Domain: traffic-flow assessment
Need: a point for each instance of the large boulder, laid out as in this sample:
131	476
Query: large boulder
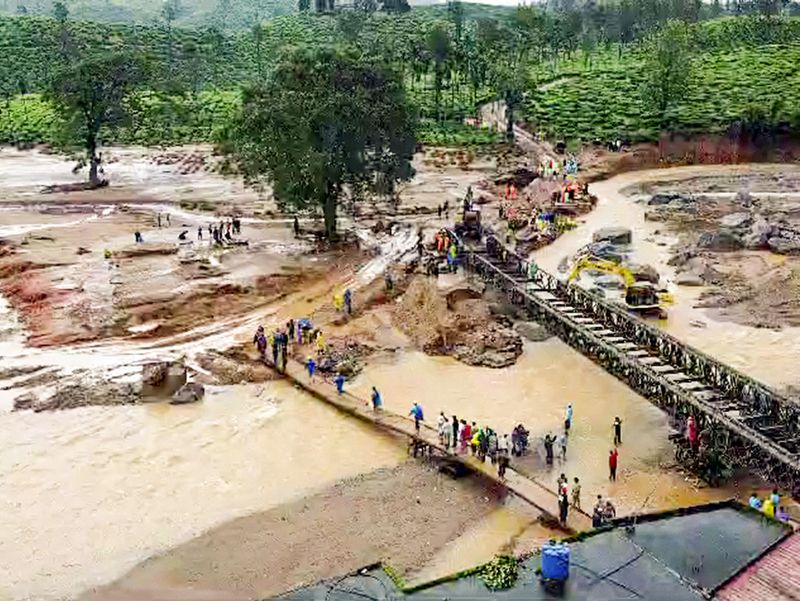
614	235
688	278
154	373
191	392
644	273
722	240
759	234
670	198
736	220
25	401
533	331
784	246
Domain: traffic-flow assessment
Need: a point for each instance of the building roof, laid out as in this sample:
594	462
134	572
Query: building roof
774	577
681	555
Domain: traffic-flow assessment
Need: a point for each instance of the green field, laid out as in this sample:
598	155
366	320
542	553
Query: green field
734	73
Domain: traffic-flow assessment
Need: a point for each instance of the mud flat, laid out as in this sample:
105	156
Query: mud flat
401	515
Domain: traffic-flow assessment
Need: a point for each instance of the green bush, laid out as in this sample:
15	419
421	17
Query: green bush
500	573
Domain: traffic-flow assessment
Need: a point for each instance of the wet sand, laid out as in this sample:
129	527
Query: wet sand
399	515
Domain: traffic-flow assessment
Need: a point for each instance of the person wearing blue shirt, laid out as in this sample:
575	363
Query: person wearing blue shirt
776	498
416	411
755	502
339	381
376	399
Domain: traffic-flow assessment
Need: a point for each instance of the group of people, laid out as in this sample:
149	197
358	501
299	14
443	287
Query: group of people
463	437
551	442
445	245
770	506
344	301
603	512
564	497
222	232
277	342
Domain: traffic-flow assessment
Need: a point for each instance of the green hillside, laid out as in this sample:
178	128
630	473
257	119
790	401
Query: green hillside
742	69
739	68
222	14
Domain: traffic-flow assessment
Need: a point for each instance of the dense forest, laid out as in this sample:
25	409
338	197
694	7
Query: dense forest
573	70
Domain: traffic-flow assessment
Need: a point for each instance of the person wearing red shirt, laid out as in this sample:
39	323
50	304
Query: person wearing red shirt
613	456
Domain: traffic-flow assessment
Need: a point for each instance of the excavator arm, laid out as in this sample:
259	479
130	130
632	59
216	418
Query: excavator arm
604	265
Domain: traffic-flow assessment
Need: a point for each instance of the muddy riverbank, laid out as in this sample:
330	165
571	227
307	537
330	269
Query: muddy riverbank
176	484
400	515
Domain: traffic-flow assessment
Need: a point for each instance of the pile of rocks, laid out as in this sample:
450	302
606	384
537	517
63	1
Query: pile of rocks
753	231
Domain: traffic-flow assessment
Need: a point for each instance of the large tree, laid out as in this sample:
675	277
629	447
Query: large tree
327	120
91	94
667	67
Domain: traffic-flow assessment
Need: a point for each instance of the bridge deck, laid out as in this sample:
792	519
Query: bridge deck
758	417
531	491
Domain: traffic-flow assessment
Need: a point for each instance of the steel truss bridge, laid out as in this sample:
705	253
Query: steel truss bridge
739	419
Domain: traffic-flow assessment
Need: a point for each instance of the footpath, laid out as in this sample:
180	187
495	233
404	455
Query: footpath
527	489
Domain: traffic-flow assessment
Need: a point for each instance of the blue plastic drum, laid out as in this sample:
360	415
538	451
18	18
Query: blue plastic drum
555	561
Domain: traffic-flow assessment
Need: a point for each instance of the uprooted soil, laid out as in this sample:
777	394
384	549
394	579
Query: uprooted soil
401	516
466	330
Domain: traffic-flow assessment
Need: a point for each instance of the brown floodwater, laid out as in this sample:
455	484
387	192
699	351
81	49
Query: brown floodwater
88	493
769	355
535	392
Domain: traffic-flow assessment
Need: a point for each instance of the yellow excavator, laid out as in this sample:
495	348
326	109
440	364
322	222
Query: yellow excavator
640	297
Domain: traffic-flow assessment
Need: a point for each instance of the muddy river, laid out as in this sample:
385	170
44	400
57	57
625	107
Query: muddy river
769	355
89	493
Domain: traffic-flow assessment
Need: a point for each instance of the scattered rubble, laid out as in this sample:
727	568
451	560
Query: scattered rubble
83	394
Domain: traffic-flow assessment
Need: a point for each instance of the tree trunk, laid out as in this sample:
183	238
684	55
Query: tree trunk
329	213
94	161
509	119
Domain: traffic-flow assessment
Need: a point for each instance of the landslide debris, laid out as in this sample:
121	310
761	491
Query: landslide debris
467	331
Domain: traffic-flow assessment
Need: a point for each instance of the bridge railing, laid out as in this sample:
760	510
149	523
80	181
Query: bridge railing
761	399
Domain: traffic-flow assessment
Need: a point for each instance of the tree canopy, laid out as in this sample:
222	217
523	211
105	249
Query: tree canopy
667	67
91	93
326	120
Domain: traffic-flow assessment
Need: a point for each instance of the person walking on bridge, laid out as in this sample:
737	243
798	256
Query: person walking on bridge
576	494
617	431
563	507
416	412
613	458
454	426
568	418
441	426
